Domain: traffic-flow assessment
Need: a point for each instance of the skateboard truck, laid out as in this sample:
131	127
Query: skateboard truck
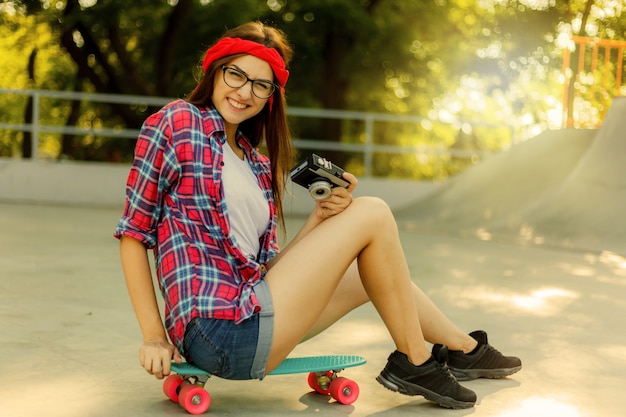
186	385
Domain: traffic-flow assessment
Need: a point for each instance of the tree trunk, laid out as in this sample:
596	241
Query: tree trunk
68	144
571	87
27	146
334	94
175	25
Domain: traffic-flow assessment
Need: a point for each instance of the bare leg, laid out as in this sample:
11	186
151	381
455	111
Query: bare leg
349	295
436	327
313	269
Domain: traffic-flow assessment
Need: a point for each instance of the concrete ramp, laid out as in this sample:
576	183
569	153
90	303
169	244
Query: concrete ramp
565	188
589	209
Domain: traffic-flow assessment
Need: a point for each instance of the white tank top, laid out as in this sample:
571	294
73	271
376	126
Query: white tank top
248	210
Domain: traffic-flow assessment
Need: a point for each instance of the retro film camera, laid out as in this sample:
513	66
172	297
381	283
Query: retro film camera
318	175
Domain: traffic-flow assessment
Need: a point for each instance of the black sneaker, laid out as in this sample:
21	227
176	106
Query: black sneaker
484	362
432	380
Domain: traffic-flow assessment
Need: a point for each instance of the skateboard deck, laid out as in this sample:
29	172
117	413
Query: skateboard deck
187	385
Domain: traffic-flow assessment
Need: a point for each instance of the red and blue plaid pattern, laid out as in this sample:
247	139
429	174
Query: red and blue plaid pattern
175	205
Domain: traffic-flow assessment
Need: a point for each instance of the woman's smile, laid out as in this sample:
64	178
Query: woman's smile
236	104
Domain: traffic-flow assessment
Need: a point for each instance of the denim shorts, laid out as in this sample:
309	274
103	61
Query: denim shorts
229	350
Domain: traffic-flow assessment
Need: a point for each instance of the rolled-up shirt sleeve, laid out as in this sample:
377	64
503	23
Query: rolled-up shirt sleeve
151	174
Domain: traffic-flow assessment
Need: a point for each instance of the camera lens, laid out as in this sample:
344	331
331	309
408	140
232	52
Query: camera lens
319	190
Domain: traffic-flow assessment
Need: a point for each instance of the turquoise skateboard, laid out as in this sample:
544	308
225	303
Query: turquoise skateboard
186	385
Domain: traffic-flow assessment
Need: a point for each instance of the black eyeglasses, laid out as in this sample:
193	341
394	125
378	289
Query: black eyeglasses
235	78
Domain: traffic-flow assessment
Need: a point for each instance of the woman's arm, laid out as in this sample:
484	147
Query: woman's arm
156	352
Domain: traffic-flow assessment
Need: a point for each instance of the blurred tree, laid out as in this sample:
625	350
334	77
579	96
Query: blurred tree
31	59
453	61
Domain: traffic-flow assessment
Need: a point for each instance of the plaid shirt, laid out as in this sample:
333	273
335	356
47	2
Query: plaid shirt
175	205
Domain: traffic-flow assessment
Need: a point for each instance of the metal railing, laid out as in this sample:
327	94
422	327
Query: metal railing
599	71
368	146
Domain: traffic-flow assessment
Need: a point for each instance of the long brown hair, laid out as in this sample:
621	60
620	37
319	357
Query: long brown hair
271	123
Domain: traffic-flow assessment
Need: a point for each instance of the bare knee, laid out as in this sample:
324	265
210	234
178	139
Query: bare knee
376	211
373	203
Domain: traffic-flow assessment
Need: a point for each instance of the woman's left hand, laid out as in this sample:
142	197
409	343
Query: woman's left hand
339	199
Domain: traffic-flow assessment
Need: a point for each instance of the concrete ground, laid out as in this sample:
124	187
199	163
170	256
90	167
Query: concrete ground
529	246
70	339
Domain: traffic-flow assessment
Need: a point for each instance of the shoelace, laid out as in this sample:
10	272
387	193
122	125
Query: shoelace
443	368
493	350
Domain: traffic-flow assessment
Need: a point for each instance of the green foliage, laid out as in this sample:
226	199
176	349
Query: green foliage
482	74
23	37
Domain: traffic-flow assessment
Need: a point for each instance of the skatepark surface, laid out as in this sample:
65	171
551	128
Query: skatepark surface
529	245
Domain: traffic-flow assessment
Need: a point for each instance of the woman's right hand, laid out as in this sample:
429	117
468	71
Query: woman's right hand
156	357
340	198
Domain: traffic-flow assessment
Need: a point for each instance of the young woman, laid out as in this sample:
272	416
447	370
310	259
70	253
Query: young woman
201	196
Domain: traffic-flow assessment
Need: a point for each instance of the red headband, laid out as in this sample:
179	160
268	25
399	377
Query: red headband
231	46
